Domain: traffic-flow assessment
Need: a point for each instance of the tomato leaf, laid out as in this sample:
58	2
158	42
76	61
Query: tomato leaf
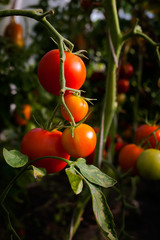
94	174
75	180
102	212
38	173
14	158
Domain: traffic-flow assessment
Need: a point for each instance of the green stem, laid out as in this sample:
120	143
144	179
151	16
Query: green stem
136	32
115	44
60	40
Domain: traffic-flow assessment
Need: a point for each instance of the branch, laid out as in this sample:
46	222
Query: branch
137	32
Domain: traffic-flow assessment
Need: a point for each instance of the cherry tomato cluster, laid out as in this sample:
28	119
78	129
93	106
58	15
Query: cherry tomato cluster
143	157
75	141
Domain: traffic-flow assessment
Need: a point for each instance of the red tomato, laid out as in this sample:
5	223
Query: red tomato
82	143
38	143
90	157
126	70
128	157
21	117
143	132
86	4
49	71
14	32
77	106
123	85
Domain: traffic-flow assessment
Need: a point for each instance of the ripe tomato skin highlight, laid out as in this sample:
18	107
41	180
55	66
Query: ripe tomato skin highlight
82	143
77	106
145	130
128	158
148	164
26	114
38	143
49	71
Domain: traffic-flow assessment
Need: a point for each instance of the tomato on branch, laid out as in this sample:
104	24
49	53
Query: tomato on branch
14	32
128	158
76	105
148	164
22	116
126	70
123	85
82	143
38	143
49	71
148	136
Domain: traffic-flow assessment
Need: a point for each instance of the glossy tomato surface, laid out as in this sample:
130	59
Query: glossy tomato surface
82	143
128	157
144	135
49	71
148	164
77	106
38	143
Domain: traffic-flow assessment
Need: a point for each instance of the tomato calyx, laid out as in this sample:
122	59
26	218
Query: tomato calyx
81	53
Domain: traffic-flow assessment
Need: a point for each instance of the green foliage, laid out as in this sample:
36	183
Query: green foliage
14	158
102	212
95	179
94	174
75	180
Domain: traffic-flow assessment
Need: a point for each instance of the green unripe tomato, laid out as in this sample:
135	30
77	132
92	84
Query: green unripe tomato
148	164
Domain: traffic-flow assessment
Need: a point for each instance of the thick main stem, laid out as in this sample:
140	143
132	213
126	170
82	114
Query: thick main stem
114	42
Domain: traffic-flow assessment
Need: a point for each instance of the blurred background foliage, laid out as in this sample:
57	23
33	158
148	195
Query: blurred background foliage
84	24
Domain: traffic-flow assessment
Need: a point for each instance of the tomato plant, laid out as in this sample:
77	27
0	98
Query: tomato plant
38	143
148	164
49	71
14	32
82	143
77	106
123	85
128	157
22	116
148	136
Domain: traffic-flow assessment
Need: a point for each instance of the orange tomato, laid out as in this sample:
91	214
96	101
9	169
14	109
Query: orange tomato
128	157
82	143
14	32
76	105
22	116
